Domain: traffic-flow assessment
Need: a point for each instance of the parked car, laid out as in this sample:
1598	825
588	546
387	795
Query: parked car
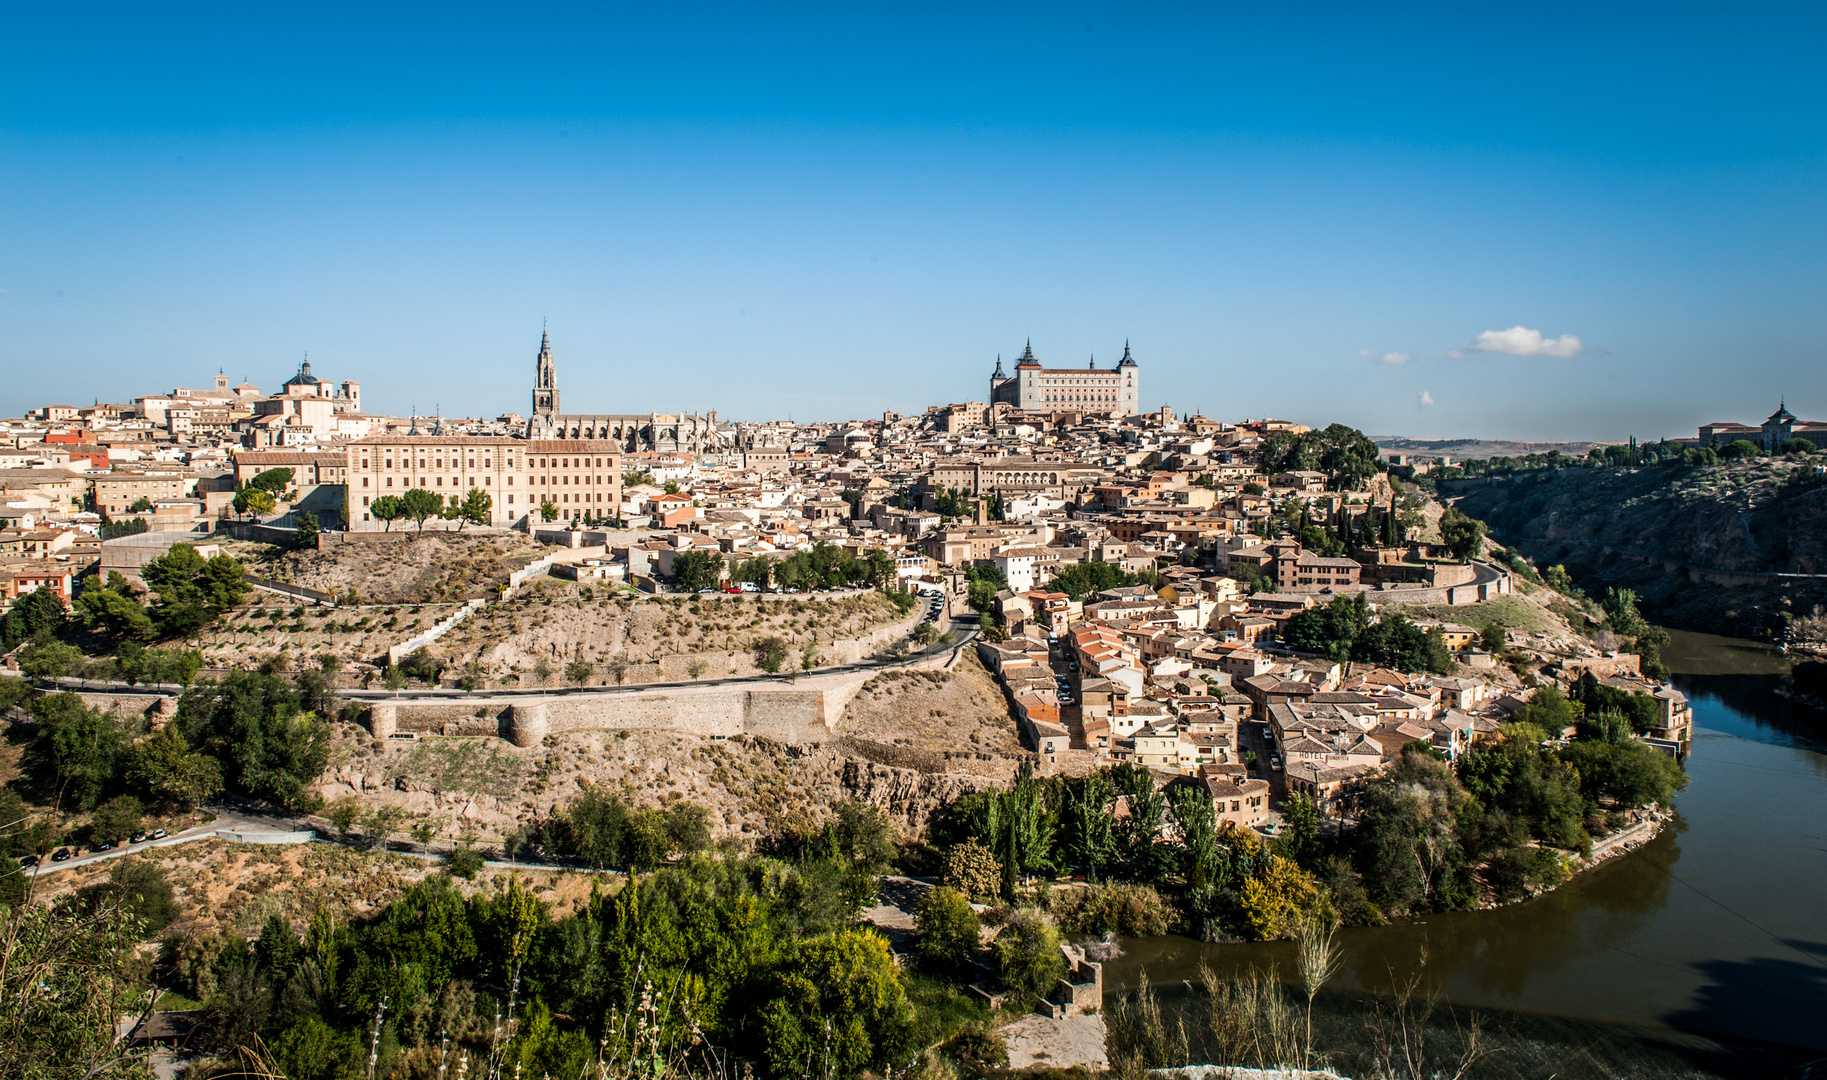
105	845
62	855
28	861
138	838
158	834
1275	762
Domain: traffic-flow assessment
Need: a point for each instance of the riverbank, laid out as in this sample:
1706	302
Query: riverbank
1690	947
1604	849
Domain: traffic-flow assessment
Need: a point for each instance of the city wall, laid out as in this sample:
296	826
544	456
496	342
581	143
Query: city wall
793	713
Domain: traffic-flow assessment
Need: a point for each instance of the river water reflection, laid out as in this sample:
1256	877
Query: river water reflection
1717	928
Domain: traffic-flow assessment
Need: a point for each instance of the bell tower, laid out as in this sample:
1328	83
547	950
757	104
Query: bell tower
545	380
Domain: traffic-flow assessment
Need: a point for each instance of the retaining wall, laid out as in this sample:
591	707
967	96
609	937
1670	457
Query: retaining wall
791	713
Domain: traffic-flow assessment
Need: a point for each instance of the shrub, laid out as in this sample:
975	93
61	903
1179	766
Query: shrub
420	664
948	929
1028	953
971	869
465	862
1131	910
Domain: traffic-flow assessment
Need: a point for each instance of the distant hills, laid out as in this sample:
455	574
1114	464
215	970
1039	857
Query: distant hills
1461	449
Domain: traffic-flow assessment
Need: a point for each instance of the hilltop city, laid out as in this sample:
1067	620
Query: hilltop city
1125	669
1132	574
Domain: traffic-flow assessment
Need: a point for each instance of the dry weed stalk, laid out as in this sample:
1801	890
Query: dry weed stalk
1399	1034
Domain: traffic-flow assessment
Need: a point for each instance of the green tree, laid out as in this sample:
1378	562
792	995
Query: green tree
1088	823
697	569
1080	580
254	725
116	819
946	929
70	974
1739	449
305	530
548	510
387	508
46	658
770	653
1027	952
422	665
193	591
837	1007
971	868
1464	535
579	671
1397	643
688	827
1299	841
476	509
253	502
1331	628
80	747
465	862
163	765
141	889
1345	455
418	504
114	611
879	568
274	481
40	611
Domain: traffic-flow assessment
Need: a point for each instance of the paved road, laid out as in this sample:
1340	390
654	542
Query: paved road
225	821
236	821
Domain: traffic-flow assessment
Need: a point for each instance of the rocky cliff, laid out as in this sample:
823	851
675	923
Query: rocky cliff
1734	548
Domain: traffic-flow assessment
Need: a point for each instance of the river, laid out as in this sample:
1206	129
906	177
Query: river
1697	955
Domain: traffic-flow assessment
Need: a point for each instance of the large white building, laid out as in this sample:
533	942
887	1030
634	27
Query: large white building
1089	389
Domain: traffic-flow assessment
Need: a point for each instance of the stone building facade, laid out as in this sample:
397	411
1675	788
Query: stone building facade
1033	388
582	478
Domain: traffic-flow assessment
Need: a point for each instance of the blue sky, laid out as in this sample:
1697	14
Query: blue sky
1523	221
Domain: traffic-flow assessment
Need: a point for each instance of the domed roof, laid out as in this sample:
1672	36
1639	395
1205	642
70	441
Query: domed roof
304	377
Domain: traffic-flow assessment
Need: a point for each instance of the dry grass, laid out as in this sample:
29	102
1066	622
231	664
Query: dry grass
941	711
219	885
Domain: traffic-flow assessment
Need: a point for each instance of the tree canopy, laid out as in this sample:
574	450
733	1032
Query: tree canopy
268	744
1344	454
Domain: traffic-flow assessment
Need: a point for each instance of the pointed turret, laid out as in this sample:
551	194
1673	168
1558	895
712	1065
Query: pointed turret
1027	356
1127	360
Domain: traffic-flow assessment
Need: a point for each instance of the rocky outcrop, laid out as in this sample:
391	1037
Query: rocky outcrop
1725	548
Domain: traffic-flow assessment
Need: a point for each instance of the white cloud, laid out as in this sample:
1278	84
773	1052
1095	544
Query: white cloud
1424	399
1392	358
1522	341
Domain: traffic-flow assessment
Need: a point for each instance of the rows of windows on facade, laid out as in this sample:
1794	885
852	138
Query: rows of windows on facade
580	475
1089	389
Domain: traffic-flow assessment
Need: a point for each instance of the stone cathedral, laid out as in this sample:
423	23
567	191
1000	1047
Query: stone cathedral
700	436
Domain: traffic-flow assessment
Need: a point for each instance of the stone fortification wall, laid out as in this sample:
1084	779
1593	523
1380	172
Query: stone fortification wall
851	650
1471	591
788	715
